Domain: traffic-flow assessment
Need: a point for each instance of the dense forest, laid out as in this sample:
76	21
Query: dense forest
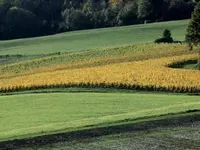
29	18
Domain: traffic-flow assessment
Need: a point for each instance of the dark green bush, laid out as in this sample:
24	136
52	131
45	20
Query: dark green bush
166	37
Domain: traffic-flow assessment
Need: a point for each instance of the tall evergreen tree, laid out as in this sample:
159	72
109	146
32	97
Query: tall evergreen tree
193	31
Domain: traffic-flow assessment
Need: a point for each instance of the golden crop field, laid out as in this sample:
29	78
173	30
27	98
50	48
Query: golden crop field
152	74
93	58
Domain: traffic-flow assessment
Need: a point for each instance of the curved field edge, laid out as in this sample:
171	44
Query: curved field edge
147	75
143	124
32	115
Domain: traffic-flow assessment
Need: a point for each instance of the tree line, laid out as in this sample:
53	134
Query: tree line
29	18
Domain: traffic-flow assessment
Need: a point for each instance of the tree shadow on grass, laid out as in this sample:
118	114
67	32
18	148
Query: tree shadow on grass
128	125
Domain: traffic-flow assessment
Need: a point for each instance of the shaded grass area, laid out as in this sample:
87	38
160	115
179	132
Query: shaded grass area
190	64
24	116
194	65
176	137
172	131
92	39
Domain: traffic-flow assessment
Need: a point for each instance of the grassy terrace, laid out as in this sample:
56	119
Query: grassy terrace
31	115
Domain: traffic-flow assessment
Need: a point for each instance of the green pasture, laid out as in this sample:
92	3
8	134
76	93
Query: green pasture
38	114
92	39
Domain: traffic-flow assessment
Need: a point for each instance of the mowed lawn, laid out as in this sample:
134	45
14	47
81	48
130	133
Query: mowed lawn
30	115
92	39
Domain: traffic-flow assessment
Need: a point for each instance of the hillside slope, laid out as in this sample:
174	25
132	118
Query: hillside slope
91	39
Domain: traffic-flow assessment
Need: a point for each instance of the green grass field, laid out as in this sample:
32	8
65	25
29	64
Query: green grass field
92	39
31	115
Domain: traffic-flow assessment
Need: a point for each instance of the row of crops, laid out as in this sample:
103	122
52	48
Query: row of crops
92	58
121	72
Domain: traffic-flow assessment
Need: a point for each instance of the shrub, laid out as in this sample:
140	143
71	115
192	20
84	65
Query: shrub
166	37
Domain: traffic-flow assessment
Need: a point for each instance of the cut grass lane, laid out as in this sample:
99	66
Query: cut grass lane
31	115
